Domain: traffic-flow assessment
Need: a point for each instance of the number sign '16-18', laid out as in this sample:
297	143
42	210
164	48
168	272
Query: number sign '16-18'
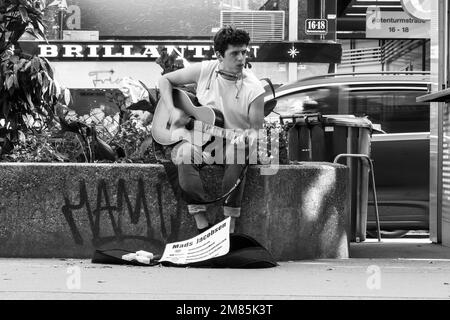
316	26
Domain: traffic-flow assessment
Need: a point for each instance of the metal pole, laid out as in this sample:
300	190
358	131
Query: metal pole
61	24
375	199
322	15
293	36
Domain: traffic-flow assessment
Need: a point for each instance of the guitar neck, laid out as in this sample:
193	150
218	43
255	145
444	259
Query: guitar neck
215	130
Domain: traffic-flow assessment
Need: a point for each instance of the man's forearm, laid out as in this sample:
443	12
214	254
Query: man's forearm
165	90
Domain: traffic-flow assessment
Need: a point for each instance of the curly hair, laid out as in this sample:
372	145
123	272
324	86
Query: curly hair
230	35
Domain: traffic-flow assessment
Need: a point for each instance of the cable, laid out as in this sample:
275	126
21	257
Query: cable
228	193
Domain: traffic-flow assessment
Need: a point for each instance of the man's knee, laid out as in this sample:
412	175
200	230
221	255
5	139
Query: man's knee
189	175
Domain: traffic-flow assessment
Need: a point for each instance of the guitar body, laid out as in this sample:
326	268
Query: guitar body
166	133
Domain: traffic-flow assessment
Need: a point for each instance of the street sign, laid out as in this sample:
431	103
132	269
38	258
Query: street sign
316	26
395	24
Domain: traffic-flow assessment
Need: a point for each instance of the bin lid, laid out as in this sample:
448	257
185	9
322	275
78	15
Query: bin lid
347	121
304	119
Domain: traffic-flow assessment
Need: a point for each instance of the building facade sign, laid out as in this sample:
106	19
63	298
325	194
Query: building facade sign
395	24
316	26
191	51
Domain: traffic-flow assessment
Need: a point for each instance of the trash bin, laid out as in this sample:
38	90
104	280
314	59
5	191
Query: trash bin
313	137
305	138
349	134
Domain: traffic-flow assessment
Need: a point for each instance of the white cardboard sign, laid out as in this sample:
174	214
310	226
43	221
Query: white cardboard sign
214	242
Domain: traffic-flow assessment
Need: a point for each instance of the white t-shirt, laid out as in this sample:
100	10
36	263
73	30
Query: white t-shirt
231	97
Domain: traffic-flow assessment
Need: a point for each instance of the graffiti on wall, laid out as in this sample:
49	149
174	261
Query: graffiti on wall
104	77
121	212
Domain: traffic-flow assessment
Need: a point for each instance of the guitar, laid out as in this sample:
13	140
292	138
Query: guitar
204	122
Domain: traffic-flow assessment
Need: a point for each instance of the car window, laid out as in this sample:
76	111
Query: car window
323	98
395	110
391	109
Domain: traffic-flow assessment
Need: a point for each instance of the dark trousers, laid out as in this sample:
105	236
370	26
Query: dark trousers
190	182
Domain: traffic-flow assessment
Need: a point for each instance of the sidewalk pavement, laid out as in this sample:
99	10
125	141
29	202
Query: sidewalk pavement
393	269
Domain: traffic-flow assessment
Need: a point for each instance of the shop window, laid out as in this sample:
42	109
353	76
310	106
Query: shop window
323	99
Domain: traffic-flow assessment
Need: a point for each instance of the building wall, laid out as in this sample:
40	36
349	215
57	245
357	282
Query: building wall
167	20
105	74
179	18
307	9
149	18
276	72
152	18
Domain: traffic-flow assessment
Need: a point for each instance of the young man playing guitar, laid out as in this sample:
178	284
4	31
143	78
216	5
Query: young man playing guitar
233	90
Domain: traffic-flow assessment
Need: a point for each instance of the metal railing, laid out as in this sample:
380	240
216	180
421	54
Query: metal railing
364	157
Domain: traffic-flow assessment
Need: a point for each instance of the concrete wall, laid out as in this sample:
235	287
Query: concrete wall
68	210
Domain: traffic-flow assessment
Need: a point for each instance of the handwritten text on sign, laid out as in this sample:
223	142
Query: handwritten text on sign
214	242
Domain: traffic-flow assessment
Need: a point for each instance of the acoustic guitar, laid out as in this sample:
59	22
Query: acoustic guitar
204	122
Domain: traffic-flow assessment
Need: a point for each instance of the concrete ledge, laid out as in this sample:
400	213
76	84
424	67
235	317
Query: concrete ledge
67	210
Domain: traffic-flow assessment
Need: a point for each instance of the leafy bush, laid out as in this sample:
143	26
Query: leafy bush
136	143
37	147
131	143
27	86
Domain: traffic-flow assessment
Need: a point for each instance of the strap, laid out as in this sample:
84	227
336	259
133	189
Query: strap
273	93
270	85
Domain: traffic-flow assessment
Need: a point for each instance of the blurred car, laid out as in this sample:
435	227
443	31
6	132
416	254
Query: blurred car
400	149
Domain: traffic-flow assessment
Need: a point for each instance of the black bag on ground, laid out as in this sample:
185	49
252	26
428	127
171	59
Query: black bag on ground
245	253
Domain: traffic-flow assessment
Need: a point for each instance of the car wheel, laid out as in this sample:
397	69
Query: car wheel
388	234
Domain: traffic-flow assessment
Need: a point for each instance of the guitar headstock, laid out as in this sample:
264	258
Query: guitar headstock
263	150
